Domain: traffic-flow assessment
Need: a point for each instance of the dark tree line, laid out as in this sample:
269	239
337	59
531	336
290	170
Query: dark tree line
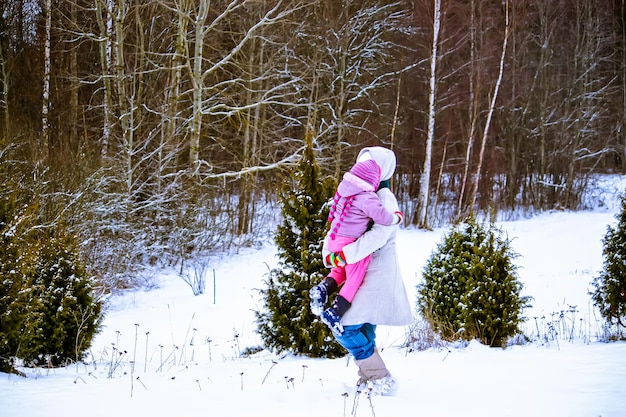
159	130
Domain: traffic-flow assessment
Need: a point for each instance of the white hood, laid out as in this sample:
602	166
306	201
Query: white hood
385	158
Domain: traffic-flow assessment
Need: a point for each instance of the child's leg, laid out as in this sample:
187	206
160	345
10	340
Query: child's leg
338	274
354	274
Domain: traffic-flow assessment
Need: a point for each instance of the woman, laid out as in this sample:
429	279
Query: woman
381	299
355	206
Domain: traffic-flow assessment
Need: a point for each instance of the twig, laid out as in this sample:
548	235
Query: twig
208	340
355	403
185	341
132	365
192	344
268	372
145	360
142	384
161	352
369	398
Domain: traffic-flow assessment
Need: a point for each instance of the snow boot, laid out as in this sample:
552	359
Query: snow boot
375	378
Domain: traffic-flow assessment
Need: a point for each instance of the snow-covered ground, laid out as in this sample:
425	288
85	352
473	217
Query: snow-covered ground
166	352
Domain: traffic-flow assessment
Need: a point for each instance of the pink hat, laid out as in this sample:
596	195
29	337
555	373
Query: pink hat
368	171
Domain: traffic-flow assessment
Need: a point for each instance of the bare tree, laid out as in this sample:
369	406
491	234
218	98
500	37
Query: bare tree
173	88
473	108
197	77
74	79
209	84
422	204
492	106
593	87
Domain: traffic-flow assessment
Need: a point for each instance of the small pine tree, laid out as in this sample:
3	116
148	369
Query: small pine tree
48	312
287	324
609	295
470	289
67	314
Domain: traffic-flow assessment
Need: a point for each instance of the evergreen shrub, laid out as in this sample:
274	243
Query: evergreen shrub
286	323
470	288
48	311
609	287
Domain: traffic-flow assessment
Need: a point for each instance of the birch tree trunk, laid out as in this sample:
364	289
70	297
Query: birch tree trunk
45	132
124	104
198	84
492	107
105	24
422	201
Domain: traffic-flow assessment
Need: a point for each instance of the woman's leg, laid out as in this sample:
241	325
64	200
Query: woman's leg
359	340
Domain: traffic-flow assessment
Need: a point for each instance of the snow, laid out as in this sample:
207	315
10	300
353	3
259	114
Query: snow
166	352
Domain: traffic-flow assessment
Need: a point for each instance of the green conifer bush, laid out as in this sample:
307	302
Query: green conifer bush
48	311
470	288
609	287
286	323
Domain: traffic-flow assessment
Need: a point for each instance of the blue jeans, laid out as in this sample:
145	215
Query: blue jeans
359	340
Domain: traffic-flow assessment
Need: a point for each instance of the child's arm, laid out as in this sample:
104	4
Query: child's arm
374	209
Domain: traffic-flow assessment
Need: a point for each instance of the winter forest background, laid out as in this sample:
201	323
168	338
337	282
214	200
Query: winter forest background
161	131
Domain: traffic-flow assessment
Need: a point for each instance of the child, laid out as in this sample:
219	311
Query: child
355	205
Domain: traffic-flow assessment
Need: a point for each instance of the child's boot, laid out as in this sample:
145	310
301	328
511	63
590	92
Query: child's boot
319	295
